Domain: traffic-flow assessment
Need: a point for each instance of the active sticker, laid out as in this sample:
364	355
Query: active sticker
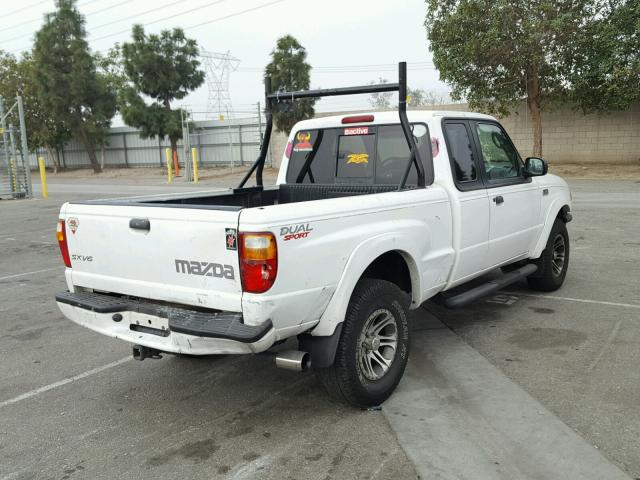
356	131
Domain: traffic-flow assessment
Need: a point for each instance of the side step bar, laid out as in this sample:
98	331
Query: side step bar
469	296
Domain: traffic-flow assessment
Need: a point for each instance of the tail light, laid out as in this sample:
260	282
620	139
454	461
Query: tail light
62	242
357	119
258	261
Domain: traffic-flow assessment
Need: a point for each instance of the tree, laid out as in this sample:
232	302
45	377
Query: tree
419	97
289	71
497	52
165	68
18	78
67	83
380	100
606	59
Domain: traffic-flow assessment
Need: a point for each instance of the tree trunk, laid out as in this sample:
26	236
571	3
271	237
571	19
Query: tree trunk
54	159
102	153
534	105
174	155
91	150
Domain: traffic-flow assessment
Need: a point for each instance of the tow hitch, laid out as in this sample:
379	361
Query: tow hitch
140	353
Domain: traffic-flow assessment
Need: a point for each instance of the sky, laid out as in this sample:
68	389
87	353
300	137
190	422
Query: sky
348	42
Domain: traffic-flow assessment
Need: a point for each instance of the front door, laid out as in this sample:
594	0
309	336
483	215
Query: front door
514	200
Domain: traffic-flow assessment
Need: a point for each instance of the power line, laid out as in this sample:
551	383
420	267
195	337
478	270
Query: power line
155	9
234	14
35	20
24	8
160	19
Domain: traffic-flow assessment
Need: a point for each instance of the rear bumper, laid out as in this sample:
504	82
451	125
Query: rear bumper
166	328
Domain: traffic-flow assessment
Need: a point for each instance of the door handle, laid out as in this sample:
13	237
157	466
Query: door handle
498	199
140	224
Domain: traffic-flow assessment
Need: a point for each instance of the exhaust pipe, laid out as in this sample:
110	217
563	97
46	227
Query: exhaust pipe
293	360
140	353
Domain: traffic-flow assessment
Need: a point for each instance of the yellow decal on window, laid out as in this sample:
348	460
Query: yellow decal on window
358	158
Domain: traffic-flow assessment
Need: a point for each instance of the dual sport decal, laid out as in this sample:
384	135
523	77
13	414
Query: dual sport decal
294	232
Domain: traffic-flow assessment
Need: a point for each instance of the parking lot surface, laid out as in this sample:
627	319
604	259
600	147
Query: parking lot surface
73	404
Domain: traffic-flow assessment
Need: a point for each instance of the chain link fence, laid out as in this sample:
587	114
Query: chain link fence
15	175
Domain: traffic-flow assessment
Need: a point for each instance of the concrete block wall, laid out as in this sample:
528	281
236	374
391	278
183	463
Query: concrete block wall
568	136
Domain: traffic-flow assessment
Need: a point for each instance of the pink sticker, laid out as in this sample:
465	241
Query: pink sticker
435	147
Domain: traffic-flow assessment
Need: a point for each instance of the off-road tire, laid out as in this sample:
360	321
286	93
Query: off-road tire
549	277
346	380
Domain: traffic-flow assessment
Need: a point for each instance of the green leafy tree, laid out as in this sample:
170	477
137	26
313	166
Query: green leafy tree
67	82
289	71
164	68
495	53
606	59
43	130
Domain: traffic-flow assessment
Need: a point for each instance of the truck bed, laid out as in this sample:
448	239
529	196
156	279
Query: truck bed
237	199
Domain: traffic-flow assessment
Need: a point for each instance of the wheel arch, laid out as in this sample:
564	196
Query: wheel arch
369	259
560	208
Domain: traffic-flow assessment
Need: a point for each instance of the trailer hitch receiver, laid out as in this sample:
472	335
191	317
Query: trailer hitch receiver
140	353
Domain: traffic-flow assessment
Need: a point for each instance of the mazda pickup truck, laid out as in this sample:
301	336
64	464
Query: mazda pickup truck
371	215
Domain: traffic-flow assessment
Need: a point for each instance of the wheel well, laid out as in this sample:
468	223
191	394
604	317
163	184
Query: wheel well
565	214
390	266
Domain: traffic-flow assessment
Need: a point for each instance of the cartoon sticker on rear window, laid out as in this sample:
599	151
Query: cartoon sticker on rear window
358	158
303	142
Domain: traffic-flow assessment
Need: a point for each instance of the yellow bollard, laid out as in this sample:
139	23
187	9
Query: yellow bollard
43	177
194	159
169	160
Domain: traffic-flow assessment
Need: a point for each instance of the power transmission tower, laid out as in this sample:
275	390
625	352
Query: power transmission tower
218	66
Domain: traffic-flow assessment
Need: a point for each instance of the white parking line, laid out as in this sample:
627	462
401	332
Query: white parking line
580	300
16	275
60	383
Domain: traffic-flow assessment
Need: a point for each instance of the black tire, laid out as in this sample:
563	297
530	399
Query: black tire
554	261
373	303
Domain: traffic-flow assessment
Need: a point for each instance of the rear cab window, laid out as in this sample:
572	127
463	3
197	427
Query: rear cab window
376	154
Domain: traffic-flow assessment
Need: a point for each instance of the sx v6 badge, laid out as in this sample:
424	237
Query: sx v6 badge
293	232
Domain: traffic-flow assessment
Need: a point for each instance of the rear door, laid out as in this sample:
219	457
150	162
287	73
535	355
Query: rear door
181	255
473	205
514	200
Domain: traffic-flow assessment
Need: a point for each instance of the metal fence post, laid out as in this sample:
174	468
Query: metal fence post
25	147
126	154
240	139
5	140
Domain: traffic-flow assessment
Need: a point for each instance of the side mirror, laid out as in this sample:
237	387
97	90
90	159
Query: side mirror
535	167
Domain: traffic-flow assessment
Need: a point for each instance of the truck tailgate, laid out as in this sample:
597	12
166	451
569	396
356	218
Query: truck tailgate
182	257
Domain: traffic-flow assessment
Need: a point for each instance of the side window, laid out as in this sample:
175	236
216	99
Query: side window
310	157
500	158
356	155
393	154
461	152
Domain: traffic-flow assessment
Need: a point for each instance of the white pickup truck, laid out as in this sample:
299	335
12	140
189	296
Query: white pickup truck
371	215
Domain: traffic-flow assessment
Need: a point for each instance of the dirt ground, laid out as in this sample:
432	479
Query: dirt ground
596	171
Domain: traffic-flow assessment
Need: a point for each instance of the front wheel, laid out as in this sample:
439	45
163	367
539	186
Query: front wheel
373	348
554	261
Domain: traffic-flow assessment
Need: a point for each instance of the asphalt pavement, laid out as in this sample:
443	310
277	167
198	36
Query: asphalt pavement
74	405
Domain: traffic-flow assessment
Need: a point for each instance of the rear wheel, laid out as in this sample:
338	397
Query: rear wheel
554	261
373	348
